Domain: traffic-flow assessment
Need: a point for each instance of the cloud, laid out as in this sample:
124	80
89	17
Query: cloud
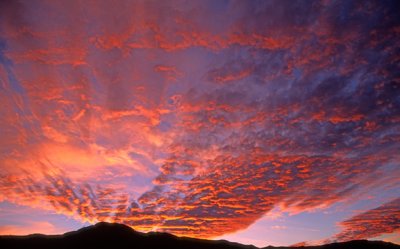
29	228
278	227
372	223
170	72
192	120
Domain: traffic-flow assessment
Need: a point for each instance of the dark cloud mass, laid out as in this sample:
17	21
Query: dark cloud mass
171	116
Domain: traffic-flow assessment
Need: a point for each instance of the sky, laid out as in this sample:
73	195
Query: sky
261	122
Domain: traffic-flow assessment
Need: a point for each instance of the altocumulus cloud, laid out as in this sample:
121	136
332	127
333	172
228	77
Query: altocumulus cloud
194	119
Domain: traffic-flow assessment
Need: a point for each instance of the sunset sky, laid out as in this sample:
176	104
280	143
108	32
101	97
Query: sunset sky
261	122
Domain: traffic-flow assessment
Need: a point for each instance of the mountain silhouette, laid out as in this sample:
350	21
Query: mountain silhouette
113	235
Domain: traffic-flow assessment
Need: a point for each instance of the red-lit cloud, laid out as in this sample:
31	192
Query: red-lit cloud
190	120
373	223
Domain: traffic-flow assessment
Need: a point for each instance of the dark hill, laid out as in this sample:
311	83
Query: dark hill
107	235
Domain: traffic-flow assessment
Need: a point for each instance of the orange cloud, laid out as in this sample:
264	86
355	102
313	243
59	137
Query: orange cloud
384	219
30	228
55	56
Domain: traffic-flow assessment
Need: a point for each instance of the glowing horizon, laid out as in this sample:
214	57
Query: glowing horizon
243	120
